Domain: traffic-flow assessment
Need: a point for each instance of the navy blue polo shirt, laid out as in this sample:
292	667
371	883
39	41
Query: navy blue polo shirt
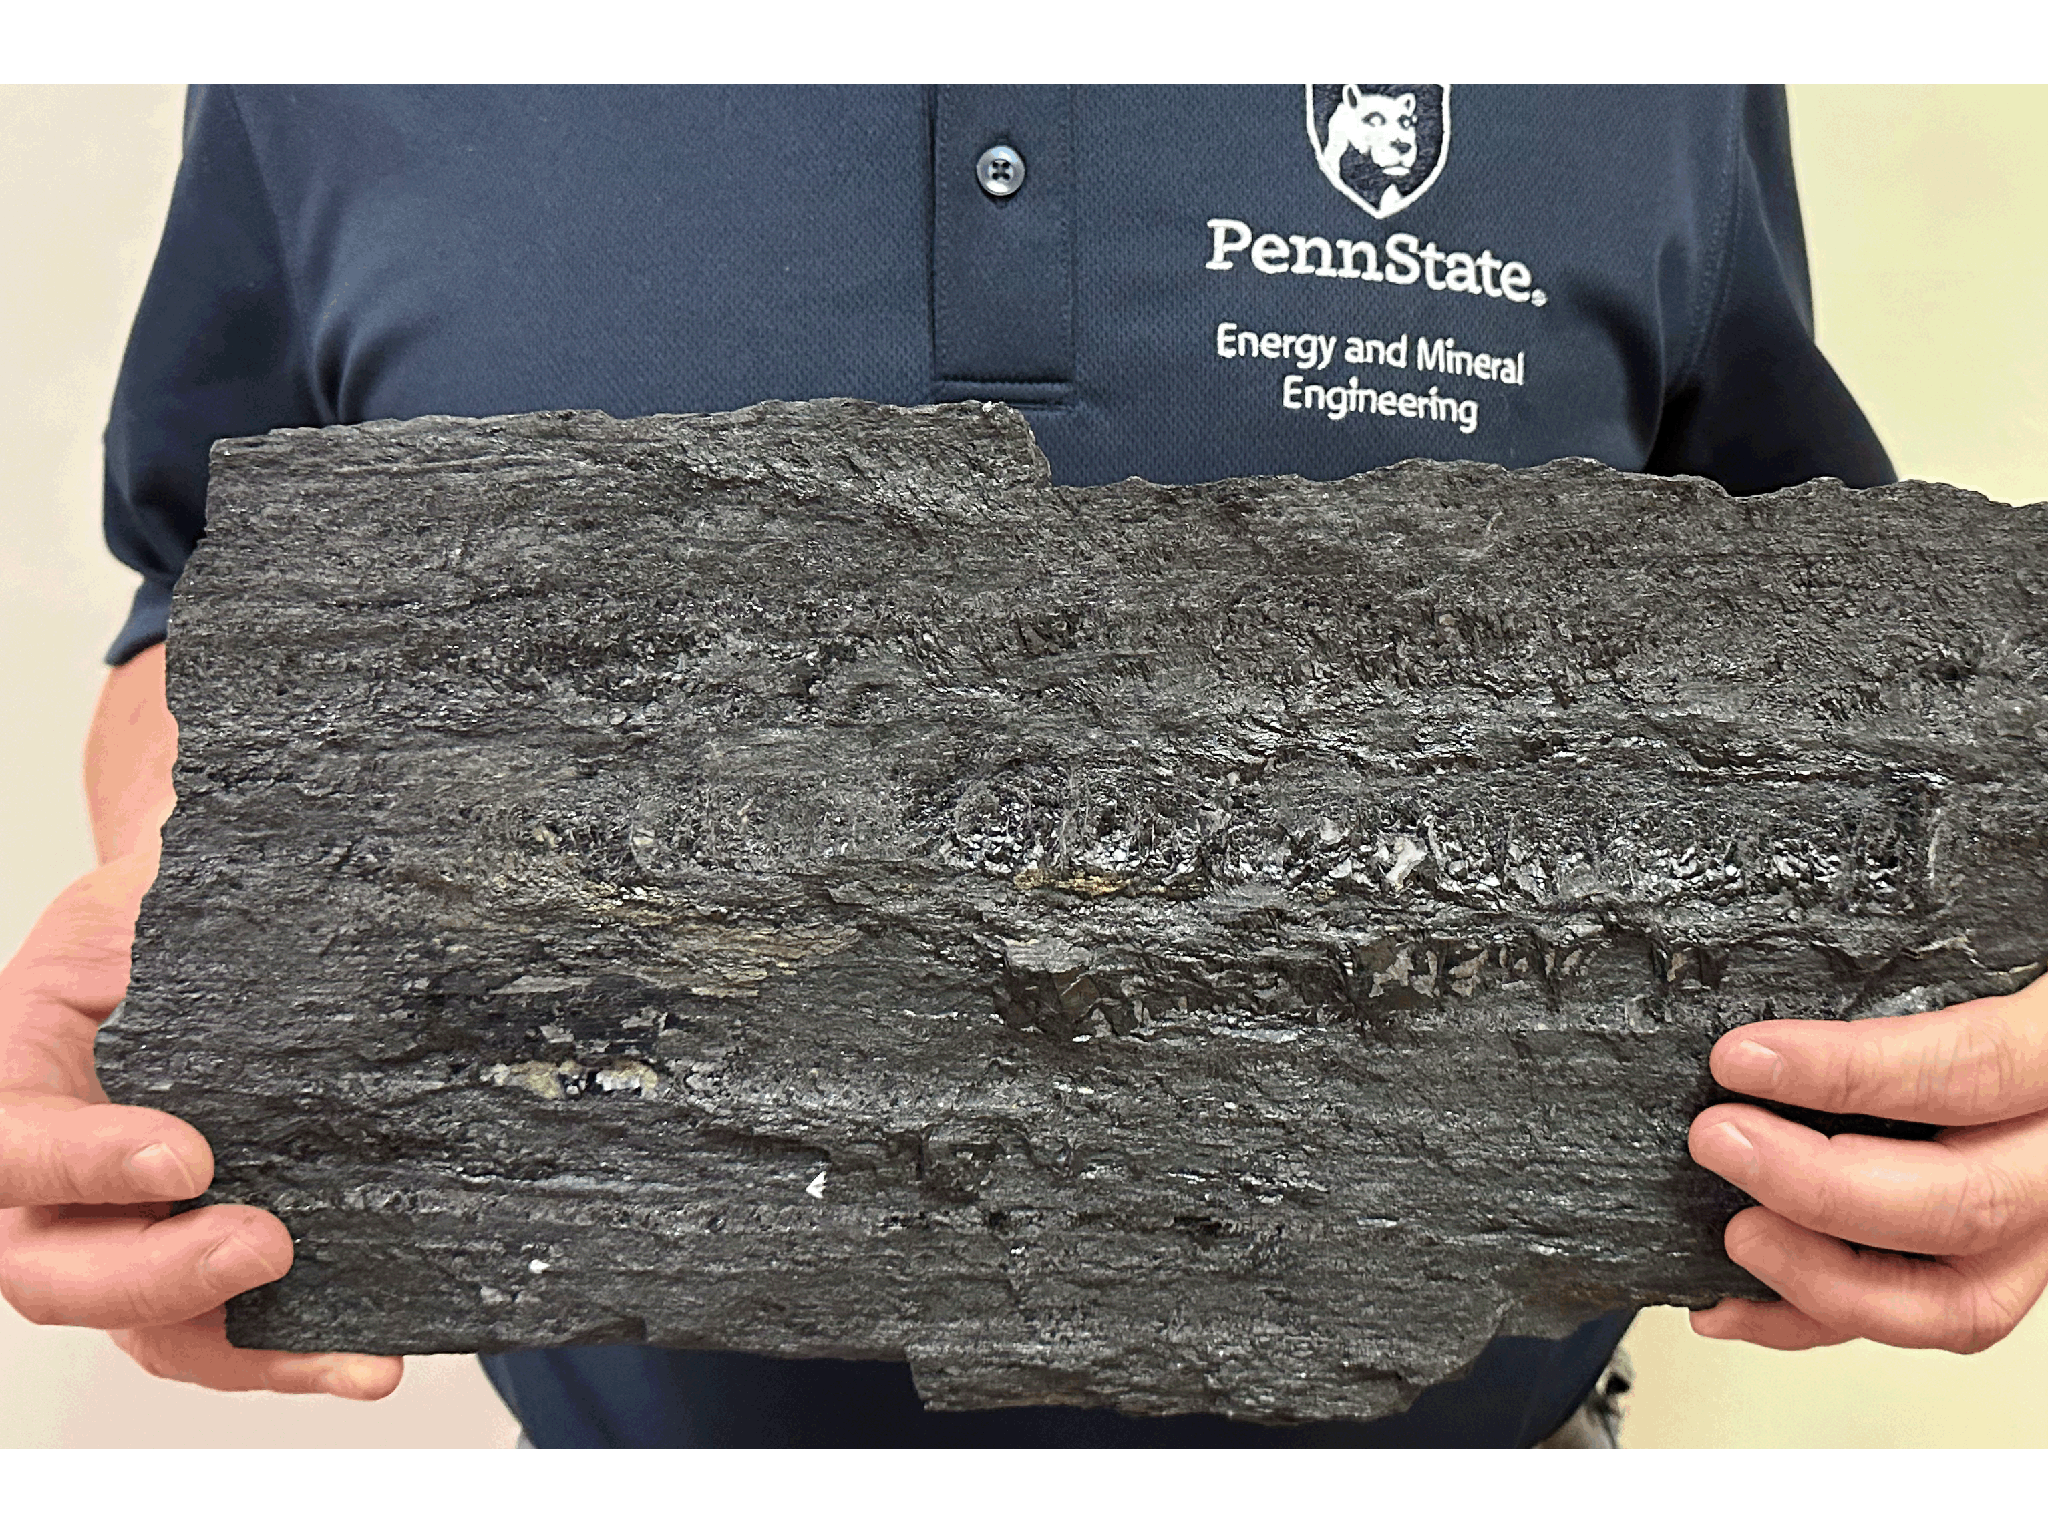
1183	284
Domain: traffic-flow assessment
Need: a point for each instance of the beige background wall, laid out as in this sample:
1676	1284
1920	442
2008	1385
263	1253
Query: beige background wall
1928	227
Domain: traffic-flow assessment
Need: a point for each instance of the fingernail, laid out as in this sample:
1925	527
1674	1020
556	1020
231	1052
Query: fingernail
337	1382
1748	1067
160	1172
1729	1153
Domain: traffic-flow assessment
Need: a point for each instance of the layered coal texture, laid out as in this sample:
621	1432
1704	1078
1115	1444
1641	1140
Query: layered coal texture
798	881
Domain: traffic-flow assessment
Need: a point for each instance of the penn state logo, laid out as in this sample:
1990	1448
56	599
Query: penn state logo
1382	146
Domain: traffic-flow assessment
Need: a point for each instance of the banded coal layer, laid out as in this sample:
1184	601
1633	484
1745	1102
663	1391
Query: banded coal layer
798	881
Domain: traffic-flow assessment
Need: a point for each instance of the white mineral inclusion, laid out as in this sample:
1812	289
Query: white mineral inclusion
1407	854
629	1077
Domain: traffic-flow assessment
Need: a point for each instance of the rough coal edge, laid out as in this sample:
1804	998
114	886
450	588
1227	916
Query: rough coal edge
1012	435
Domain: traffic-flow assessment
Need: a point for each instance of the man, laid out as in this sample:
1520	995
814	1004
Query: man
1179	284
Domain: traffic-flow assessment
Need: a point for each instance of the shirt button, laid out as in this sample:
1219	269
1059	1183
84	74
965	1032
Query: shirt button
1000	170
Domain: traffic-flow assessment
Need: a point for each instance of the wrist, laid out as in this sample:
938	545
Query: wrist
128	756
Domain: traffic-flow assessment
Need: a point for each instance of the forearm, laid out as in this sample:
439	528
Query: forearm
128	757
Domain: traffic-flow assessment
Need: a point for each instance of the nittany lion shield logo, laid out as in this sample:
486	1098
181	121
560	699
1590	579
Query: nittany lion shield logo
1382	146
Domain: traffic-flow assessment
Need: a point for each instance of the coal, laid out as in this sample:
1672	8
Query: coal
798	881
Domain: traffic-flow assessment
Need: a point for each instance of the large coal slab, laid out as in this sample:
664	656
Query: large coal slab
798	881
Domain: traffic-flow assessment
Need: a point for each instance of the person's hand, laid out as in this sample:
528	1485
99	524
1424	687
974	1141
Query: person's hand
1964	1217
87	1237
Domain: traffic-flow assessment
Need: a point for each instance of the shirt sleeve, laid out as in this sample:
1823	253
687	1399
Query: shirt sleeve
1759	407
215	352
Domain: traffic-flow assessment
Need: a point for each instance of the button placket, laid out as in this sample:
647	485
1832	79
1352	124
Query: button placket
1002	243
